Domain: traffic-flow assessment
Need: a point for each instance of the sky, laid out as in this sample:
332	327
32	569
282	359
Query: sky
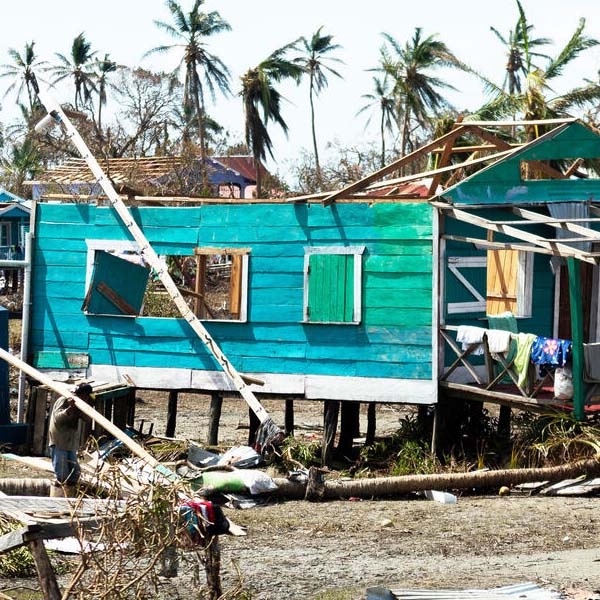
125	29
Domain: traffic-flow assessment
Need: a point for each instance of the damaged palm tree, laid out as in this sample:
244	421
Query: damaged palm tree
268	434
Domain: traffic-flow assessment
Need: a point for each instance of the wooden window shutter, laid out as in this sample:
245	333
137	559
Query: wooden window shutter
117	286
235	289
502	281
199	300
331	288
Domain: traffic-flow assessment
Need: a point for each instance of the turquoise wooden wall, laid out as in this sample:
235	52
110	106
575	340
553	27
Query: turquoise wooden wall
392	340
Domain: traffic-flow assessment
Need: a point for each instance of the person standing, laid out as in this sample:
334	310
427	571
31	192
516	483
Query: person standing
63	439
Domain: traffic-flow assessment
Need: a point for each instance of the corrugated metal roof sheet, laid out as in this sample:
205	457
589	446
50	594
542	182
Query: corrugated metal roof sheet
525	591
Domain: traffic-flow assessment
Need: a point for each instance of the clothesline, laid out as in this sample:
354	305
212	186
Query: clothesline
544	350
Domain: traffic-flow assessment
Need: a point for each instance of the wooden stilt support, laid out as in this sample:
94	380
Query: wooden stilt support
349	427
172	413
371	423
253	424
434	429
331	409
38	405
216	405
46	575
289	417
504	422
213	568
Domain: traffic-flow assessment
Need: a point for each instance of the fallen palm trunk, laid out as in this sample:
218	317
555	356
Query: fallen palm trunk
380	487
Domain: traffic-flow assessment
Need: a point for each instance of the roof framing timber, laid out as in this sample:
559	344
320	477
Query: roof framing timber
445	146
558	248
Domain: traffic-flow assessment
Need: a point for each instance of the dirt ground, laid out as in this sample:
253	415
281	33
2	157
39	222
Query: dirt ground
338	549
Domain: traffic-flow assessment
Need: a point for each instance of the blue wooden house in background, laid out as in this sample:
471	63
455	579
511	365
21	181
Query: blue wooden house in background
14	224
349	296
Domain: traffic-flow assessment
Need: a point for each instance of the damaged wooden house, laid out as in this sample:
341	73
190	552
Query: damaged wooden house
401	288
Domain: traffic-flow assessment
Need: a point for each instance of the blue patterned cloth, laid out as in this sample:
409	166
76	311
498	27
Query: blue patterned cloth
549	351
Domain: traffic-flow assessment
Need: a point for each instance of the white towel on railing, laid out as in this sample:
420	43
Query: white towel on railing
468	335
498	340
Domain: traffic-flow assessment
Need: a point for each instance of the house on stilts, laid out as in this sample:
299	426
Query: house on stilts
441	276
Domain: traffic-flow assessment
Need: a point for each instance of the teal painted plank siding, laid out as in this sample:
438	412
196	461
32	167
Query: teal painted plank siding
393	338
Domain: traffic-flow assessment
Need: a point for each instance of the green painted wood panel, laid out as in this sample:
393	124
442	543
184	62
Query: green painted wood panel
398	264
331	288
125	282
392	298
396	281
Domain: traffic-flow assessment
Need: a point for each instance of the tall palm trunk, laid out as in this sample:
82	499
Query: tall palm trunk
382	132
314	133
199	107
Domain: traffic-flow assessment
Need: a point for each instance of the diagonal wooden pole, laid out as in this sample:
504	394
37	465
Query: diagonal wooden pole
57	116
64	390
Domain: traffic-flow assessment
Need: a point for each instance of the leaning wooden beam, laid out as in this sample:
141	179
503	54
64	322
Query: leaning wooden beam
57	115
474	148
502	145
567	224
409	178
445	156
441	170
379	487
474	127
86	409
394	166
496	245
517	123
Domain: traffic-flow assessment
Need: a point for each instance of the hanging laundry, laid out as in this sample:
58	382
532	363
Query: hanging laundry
549	351
467	335
498	340
521	364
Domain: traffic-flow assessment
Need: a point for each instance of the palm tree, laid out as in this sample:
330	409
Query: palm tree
384	103
520	50
23	70
534	101
418	96
262	103
104	68
203	70
80	67
314	63
23	162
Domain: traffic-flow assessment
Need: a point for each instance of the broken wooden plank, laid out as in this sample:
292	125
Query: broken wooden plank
582	489
117	300
38	531
551	490
46	576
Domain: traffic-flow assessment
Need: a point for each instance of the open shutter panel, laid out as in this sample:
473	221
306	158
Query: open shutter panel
502	278
331	288
235	289
117	286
